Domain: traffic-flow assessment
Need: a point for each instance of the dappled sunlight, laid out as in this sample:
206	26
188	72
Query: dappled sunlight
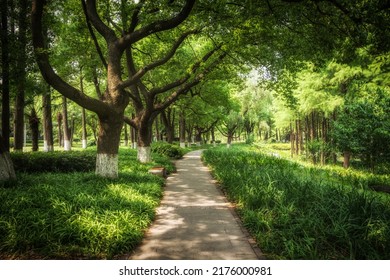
194	221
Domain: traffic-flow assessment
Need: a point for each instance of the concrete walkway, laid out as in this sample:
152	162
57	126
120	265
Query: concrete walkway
194	220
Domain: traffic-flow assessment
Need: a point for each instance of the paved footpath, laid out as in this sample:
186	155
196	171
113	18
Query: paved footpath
195	221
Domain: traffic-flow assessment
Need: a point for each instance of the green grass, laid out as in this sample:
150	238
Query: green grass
299	211
78	215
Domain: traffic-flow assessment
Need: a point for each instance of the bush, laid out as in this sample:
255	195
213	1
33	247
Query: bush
166	149
298	212
38	162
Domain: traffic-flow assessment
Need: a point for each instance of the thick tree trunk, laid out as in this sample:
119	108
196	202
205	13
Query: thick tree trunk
66	130
144	154
48	143
5	100
34	126
7	171
168	121
198	136
108	145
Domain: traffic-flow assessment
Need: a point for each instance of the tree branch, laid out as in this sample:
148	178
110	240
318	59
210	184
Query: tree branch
47	70
157	26
184	88
101	27
98	49
159	62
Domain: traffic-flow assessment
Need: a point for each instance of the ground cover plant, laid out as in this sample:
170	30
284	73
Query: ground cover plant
301	212
76	215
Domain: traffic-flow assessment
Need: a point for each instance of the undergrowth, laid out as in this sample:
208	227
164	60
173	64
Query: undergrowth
302	212
77	215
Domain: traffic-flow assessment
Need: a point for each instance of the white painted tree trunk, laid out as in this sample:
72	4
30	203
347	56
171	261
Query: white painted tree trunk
107	165
214	144
144	154
67	146
46	147
198	144
134	145
84	143
228	145
182	144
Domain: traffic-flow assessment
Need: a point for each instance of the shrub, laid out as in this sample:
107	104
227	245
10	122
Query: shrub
298	212
166	149
38	162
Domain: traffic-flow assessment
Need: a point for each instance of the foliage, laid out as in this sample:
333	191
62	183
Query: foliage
78	215
298	212
170	150
64	162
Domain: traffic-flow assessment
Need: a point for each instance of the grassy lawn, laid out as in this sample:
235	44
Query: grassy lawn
76	215
301	211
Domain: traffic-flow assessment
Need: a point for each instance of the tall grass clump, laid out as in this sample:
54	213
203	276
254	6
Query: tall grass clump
78	215
298	212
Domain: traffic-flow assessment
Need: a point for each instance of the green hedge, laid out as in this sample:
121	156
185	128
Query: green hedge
166	149
72	161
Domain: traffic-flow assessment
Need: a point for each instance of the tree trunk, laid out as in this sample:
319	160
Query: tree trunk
182	130
347	157
229	139
59	122
292	140
213	136
198	136
7	171
168	121
297	144
83	116
144	140
34	126
126	136
48	143
84	139
21	77
5	114
108	145
66	130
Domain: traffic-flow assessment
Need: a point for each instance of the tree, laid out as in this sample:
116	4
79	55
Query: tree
112	104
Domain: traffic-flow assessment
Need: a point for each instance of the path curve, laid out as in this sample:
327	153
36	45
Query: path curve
195	221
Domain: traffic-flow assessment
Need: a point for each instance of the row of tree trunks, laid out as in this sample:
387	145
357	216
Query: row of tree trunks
314	133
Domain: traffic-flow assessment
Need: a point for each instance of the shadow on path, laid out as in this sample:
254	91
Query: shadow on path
194	220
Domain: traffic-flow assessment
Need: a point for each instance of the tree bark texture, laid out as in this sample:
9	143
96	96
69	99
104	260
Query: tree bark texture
7	171
5	100
47	122
21	74
65	125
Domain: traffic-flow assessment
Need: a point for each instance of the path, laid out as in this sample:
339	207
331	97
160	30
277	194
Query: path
194	220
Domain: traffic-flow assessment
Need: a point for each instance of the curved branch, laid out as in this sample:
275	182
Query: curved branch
159	62
101	27
98	49
47	70
157	26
